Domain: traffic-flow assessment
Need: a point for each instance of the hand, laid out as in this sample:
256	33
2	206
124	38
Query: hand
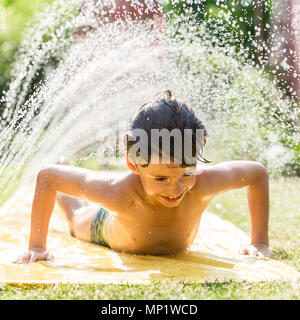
257	249
33	255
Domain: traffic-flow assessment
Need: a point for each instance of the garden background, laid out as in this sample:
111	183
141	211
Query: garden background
265	21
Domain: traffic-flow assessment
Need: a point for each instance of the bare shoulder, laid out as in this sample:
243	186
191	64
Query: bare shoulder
224	176
122	186
112	190
126	182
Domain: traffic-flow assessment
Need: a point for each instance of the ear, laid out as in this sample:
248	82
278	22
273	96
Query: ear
131	165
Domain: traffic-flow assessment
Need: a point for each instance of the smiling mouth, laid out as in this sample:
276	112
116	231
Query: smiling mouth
172	199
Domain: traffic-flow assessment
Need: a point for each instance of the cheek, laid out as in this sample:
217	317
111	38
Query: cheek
189	183
152	188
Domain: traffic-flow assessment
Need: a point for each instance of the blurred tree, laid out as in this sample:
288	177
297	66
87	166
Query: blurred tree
235	22
268	29
28	36
260	34
285	43
294	31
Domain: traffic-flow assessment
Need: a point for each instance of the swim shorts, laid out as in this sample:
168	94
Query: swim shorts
98	227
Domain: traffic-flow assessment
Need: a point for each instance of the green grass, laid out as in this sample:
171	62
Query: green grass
158	290
232	206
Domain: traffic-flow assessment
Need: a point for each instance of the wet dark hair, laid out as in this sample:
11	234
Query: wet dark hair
163	112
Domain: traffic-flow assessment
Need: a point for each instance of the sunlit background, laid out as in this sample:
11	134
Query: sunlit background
235	62
72	74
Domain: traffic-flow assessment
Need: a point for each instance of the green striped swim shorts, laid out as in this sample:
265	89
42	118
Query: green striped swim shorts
98	227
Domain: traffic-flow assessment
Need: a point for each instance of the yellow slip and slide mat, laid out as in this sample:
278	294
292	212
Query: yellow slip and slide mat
212	257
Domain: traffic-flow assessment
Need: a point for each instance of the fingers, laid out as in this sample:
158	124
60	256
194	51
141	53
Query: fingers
49	257
243	251
259	254
23	258
256	252
250	251
33	256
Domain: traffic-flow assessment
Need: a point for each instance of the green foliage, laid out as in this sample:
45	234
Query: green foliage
250	117
255	108
15	14
237	23
231	21
39	51
251	107
260	122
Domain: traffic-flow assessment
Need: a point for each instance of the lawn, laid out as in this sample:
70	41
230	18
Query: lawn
232	205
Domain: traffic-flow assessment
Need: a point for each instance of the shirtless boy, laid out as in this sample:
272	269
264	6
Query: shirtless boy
154	209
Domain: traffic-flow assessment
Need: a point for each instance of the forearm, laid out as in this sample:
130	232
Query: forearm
258	202
42	207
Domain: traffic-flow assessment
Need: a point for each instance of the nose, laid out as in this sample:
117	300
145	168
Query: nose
175	189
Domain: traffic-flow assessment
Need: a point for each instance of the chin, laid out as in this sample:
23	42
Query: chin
173	205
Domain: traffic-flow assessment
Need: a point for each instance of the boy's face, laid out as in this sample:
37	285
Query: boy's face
166	184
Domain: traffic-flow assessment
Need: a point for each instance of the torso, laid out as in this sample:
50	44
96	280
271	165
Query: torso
145	229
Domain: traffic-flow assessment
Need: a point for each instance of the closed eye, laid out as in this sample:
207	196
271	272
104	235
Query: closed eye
186	175
160	179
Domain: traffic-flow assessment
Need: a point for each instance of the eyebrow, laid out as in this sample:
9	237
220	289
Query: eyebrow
158	176
154	176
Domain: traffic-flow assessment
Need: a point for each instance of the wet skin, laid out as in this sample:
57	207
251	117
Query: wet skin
164	215
156	209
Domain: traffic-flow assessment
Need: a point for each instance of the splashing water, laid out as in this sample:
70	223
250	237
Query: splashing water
95	81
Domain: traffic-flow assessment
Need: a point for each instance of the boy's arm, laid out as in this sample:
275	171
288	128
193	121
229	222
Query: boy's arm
75	182
253	175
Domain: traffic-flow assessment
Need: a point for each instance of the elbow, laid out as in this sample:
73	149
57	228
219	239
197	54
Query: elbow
261	172
44	177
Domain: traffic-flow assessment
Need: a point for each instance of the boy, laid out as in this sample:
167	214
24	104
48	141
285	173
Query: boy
157	207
